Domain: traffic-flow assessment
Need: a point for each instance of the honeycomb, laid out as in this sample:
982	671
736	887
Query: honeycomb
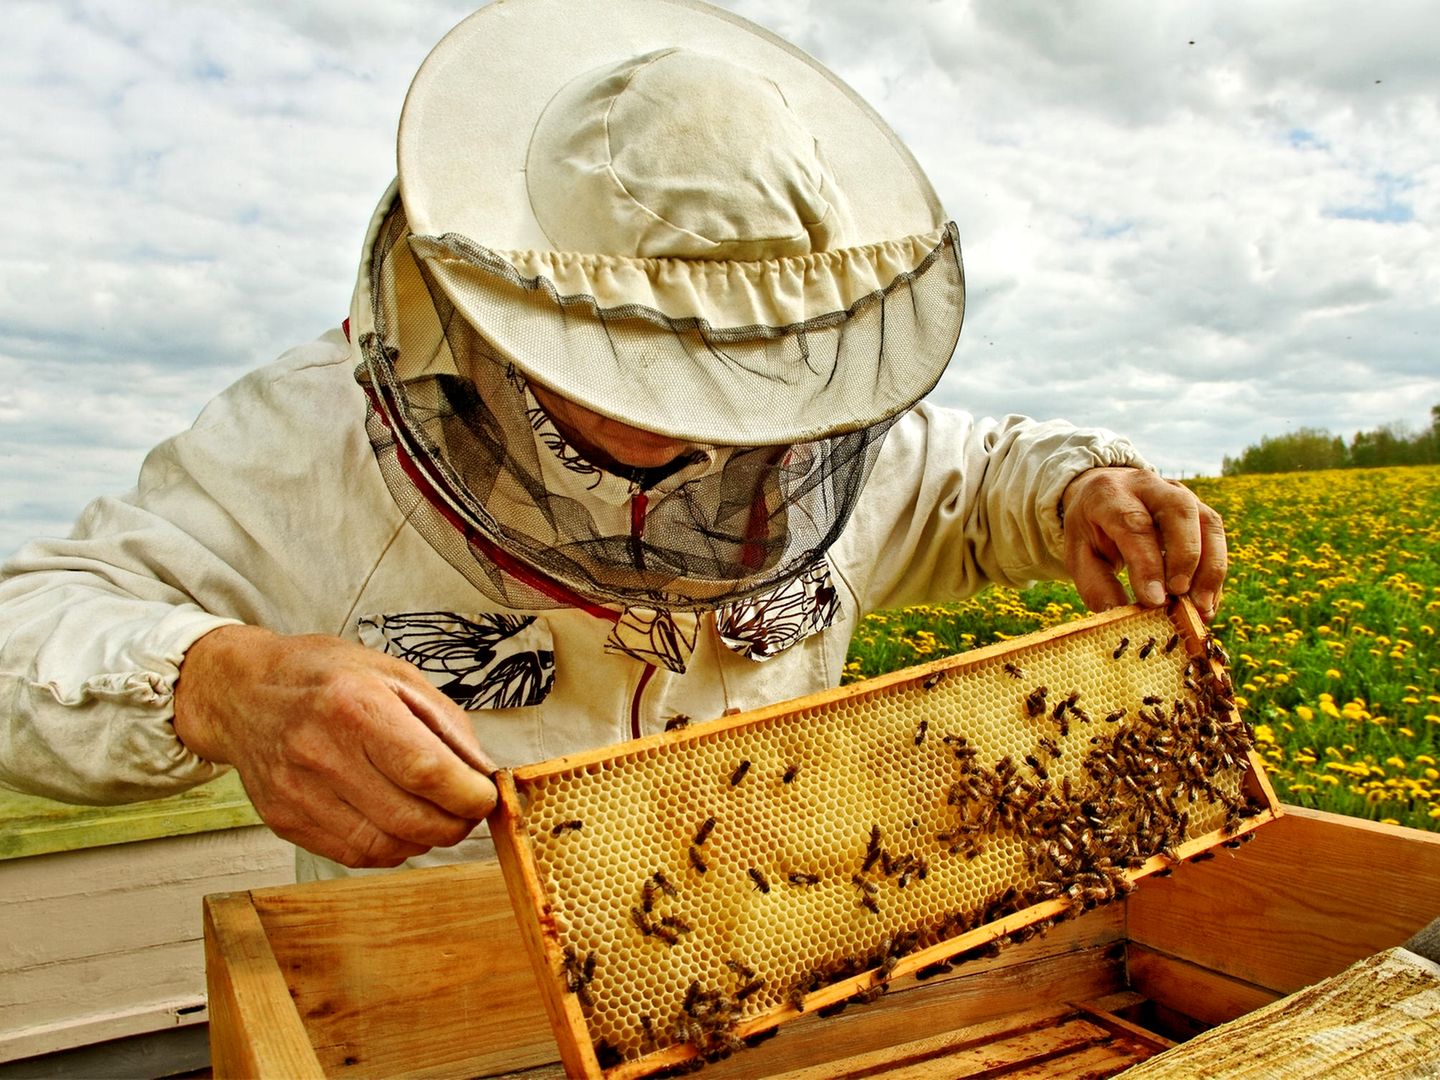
717	880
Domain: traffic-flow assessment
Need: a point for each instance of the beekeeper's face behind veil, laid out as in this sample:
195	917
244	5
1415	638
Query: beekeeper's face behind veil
648	292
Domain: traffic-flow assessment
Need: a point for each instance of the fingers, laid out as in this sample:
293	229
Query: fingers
1169	541
1094	573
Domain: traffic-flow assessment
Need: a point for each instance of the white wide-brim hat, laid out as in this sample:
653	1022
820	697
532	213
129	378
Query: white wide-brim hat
669	215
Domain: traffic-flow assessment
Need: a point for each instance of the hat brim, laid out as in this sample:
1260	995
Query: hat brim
464	136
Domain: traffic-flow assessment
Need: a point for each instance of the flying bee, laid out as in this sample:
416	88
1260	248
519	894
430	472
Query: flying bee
1013	671
739	773
573	825
1120	649
1170	645
920	731
789	775
1146	649
933	680
704	832
759	879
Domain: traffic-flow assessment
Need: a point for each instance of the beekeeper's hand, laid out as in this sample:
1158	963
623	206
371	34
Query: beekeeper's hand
343	750
1170	542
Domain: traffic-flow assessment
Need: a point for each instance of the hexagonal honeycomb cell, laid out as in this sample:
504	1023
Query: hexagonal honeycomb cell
690	889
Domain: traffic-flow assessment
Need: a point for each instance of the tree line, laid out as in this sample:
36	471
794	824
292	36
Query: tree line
1316	448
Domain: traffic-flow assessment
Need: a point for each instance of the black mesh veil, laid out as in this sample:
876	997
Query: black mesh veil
473	463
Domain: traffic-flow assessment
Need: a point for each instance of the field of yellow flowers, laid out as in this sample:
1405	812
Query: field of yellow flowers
1329	614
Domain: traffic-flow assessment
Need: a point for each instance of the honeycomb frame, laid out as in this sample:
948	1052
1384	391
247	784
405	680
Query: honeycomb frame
645	875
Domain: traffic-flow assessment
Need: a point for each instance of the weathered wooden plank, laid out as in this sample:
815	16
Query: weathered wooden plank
413	974
1194	991
30	825
1313	893
254	1029
1380	1017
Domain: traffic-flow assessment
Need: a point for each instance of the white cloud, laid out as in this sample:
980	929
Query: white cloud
1197	244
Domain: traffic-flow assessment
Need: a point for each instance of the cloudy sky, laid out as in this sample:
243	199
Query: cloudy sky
1197	223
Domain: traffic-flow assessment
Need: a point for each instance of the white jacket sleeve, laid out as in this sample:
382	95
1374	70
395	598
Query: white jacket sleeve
220	529
955	504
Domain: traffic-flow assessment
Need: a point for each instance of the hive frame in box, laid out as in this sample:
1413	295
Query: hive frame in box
521	837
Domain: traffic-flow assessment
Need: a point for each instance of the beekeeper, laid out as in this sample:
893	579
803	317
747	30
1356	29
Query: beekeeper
624	427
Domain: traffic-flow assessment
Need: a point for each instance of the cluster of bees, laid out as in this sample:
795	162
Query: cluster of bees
1147	784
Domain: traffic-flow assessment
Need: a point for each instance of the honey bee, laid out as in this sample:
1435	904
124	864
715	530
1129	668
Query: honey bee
573	825
933	680
759	879
704	833
648	1027
1170	645
1146	649
1116	716
647	896
1034	763
803	879
674	922
739	773
697	862
929	971
868	903
676	722
1120	649
920	731
1051	747
1013	671
1035	701
1204	856
790	774
872	852
749	989
663	883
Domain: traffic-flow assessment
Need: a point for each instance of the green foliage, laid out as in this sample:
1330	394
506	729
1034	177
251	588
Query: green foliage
1315	448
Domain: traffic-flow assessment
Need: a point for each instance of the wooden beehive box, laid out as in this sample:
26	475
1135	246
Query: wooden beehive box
419	973
683	894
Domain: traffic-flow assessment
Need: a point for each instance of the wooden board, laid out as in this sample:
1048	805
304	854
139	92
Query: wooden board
1313	893
30	825
419	973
